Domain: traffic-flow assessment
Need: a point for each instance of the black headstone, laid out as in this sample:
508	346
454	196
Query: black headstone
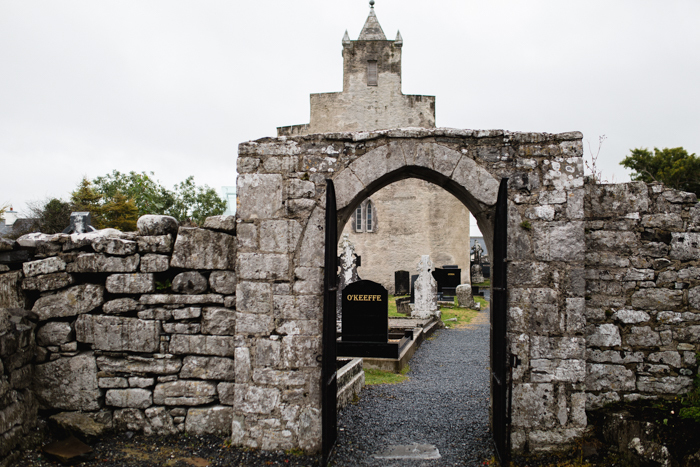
413	287
401	284
365	312
447	279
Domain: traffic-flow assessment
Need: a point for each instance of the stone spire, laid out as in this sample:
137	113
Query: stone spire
372	31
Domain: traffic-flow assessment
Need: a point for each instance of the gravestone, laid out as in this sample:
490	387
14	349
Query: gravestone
464	296
448	278
401	283
365	312
348	262
425	291
476	273
80	222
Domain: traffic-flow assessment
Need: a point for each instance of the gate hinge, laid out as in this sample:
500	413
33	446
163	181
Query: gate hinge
515	361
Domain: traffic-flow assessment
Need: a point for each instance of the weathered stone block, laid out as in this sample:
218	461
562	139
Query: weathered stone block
559	241
280	379
172	299
255	400
203	249
268	353
150	225
68	383
155	263
114	333
121	305
43	266
11	295
223	282
263	266
253	323
190	282
182	328
694	298
657	299
632	316
219	321
187	313
221	346
132	398
71	302
184	393
168	365
221	223
243	366
557	347
96	262
161	421
603	377
643	336
668	385
312	251
533	405
260	196
669	358
54	333
687	334
218	368
279	236
113	383
209	421
545	371
155	244
254	297
48	282
685	245
114	246
300	351
135	283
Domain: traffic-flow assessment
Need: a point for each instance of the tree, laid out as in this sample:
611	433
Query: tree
148	195
673	167
52	216
120	213
195	203
86	199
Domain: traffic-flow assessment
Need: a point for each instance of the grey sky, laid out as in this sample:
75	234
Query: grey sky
174	86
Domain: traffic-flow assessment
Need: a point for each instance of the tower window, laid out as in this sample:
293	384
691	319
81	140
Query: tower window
368	211
372	73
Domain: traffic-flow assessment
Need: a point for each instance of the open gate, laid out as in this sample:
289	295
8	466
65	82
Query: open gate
500	391
329	374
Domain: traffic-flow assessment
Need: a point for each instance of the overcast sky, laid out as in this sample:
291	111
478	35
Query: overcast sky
173	87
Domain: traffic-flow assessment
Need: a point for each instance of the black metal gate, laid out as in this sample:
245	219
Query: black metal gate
499	362
329	380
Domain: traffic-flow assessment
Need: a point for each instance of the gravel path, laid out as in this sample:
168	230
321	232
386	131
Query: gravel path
444	403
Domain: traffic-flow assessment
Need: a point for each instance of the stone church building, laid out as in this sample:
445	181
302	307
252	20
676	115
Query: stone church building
408	218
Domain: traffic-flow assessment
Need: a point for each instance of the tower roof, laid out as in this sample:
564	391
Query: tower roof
372	31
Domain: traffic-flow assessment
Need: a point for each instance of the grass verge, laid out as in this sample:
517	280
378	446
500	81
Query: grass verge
373	376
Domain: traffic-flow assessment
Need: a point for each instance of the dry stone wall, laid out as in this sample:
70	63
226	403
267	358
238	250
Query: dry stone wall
136	329
642	292
18	406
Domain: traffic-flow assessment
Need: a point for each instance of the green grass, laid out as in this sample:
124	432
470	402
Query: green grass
463	315
392	307
486	283
373	376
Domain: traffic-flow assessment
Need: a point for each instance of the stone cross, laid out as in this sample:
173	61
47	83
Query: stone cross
425	304
79	223
348	273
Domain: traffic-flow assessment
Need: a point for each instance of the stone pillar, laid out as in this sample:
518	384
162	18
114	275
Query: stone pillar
426	291
348	274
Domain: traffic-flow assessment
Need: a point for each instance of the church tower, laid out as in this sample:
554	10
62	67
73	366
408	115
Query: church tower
371	98
398	224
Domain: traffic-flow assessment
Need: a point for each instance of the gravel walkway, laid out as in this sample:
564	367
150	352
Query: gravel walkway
444	403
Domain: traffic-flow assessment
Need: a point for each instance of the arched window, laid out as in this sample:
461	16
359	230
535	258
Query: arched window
358	219
369	224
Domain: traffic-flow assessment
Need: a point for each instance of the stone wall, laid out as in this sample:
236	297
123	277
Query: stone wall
18	407
642	292
136	329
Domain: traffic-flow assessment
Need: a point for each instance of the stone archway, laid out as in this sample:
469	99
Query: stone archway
281	190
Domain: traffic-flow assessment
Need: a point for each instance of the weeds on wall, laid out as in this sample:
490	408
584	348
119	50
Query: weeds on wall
591	161
691	401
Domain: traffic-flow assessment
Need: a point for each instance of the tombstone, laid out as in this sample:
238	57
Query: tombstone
448	278
476	274
425	291
413	288
464	296
366	323
348	262
401	283
365	312
79	223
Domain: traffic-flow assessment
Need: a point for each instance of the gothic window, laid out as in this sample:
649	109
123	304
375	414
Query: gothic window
369	224
372	73
365	218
